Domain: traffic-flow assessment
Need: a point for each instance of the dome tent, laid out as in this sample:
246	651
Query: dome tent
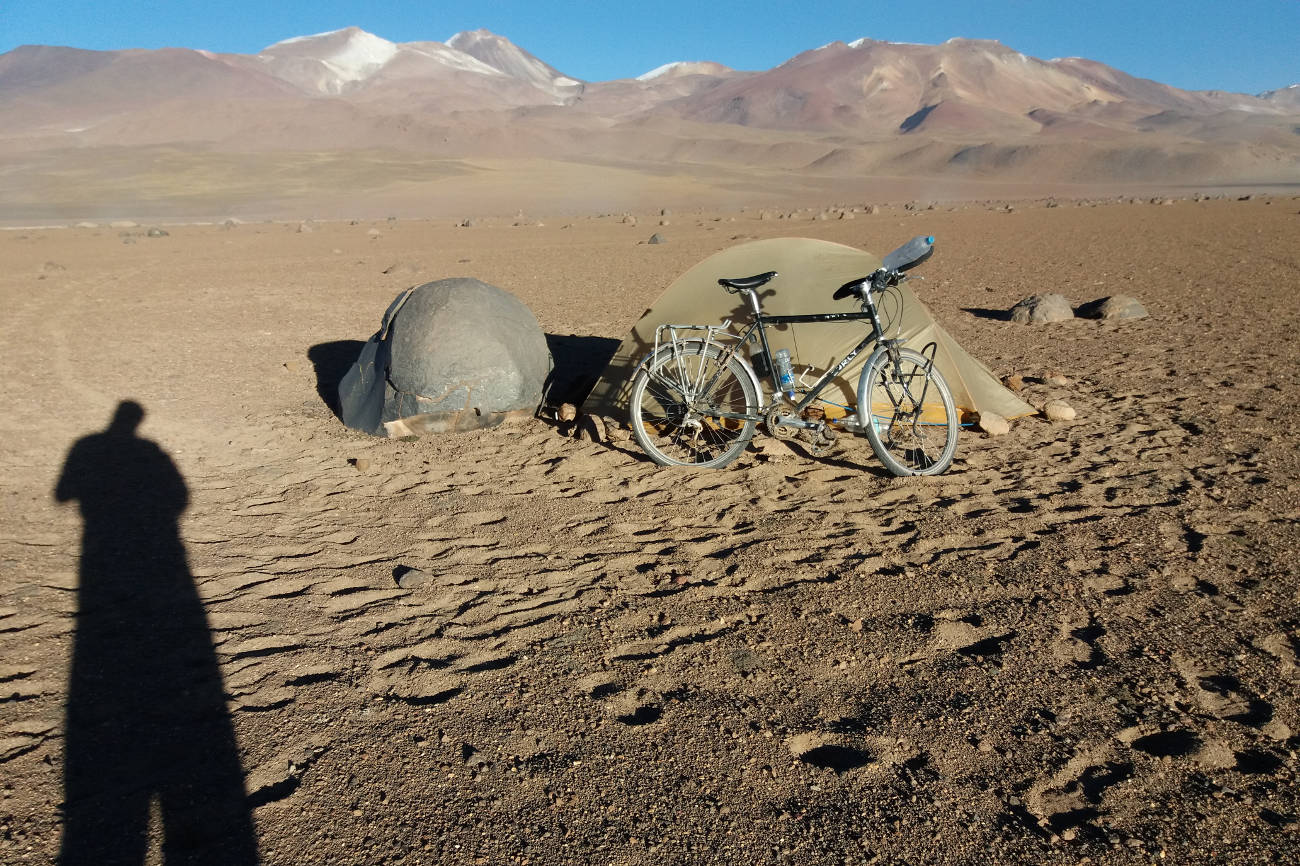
808	271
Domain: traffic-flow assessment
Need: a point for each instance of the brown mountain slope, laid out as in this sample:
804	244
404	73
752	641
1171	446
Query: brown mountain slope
966	108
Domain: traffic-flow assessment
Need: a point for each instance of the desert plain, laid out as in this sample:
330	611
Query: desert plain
292	643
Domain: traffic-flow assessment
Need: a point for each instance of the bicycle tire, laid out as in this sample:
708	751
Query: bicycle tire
906	408
660	407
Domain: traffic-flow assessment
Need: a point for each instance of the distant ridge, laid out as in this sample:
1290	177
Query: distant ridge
965	109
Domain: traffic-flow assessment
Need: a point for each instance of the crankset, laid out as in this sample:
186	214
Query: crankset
781	422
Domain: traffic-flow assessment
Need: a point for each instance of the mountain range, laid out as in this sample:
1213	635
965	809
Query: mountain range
965	108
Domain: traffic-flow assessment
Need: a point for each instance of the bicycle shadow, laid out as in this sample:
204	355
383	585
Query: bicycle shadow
147	724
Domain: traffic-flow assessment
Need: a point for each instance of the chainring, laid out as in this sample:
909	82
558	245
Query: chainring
771	418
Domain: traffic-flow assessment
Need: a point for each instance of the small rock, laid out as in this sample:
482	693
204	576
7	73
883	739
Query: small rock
591	427
468	223
1058	410
1014	381
1113	307
410	578
657	238
567	412
230	224
629	220
292	366
158	233
1057	378
374	233
305	227
1038	309
994	424
362	464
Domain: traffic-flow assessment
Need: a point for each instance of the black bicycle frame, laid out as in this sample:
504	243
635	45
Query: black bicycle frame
761	320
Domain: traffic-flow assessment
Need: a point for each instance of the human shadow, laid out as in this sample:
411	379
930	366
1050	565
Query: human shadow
331	362
147	725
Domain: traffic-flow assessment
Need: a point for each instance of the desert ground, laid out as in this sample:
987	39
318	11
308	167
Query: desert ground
1078	645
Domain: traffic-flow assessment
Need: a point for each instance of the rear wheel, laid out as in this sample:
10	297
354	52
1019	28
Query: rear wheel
907	410
684	405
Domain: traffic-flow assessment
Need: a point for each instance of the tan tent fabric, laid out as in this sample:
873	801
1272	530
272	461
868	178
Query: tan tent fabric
809	272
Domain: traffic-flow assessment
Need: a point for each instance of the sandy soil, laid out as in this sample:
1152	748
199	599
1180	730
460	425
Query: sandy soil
1079	643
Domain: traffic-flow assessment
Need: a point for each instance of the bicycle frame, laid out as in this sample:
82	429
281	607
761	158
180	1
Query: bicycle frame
760	322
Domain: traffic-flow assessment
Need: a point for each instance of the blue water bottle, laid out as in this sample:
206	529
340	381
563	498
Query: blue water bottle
784	370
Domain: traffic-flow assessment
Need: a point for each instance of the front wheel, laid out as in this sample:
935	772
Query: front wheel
689	407
906	408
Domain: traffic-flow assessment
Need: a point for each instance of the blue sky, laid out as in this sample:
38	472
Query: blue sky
1240	45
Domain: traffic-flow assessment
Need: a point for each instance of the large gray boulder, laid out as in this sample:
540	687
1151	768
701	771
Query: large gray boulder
454	354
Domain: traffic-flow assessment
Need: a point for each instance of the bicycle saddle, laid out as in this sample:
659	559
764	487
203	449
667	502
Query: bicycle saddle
747	282
850	288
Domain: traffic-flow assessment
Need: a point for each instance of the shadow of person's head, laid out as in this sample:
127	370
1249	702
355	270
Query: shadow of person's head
126	419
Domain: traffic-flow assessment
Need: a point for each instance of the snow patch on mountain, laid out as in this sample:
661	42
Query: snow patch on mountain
684	67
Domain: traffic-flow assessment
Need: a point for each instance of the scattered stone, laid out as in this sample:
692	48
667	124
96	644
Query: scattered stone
1014	381
230	224
591	427
156	232
1038	309
994	424
1113	307
1058	410
374	233
468	223
629	220
305	227
1057	378
657	238
362	464
410	578
567	412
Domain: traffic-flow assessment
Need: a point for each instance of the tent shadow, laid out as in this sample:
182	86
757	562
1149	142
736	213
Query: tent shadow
578	361
331	362
993	315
